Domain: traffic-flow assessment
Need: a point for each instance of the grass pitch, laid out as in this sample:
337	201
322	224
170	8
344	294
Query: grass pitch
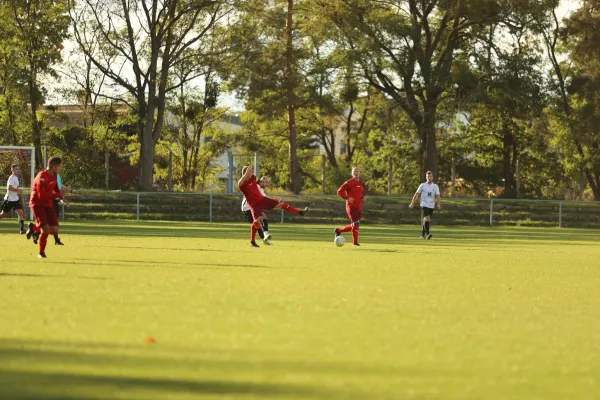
189	311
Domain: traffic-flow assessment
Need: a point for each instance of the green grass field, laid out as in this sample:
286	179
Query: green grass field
475	313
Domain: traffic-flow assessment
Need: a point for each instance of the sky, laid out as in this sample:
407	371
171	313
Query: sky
227	99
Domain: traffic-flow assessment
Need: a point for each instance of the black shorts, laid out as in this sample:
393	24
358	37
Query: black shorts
7	206
248	214
56	206
427	212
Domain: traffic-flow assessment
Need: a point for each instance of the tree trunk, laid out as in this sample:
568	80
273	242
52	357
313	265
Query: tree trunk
147	160
508	172
291	99
427	132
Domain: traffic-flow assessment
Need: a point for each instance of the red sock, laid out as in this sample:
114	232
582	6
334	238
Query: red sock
253	230
347	228
355	234
289	208
42	242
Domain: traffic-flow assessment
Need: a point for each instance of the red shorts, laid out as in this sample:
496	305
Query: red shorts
266	204
354	213
45	216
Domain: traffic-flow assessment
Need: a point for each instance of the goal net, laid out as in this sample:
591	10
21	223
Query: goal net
24	157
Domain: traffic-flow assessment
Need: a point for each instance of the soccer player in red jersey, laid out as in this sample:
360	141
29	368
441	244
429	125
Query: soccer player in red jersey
259	203
353	192
45	189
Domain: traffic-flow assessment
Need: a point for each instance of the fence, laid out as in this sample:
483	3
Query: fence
330	209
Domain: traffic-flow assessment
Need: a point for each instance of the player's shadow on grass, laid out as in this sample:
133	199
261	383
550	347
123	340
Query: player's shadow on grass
9	275
126	375
155	264
158	248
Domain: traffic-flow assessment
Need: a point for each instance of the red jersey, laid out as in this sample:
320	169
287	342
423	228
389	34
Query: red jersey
352	188
251	191
45	189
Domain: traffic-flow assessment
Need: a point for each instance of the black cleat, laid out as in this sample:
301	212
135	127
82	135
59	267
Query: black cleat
302	212
36	236
30	231
253	244
337	232
42	255
429	236
23	231
59	243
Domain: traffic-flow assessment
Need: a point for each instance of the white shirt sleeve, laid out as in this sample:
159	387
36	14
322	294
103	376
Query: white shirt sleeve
437	190
420	189
262	191
13	181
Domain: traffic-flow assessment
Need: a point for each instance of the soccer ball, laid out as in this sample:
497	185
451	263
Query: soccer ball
339	241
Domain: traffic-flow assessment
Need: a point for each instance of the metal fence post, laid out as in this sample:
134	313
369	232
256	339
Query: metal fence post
492	212
282	213
210	212
560	214
230	167
256	161
138	206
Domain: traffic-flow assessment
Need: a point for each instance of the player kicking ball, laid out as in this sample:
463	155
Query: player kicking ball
263	232
259	203
12	199
430	195
353	192
45	189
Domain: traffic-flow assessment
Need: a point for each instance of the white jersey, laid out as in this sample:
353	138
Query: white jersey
245	206
10	195
428	193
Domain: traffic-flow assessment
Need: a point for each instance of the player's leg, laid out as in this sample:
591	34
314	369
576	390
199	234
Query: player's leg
356	215
41	218
428	224
347	228
21	215
250	218
264	223
255	225
427	213
56	207
281	205
4	209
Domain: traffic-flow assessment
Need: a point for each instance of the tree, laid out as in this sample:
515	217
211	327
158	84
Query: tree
407	49
267	71
575	84
39	27
149	38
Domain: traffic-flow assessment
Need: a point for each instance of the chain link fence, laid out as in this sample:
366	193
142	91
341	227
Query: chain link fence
168	206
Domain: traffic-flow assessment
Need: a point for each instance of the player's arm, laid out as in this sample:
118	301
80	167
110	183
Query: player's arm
415	197
11	188
245	177
438	199
343	191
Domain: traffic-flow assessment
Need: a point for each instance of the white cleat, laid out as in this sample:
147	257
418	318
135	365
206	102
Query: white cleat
422	237
267	237
267	243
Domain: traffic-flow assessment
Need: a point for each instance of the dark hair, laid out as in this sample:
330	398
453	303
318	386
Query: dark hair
14	166
429	172
54	161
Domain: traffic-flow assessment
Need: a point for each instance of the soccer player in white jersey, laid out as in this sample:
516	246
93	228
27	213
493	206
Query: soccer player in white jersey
430	195
12	199
263	233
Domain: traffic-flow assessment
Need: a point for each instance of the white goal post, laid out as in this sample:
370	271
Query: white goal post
32	161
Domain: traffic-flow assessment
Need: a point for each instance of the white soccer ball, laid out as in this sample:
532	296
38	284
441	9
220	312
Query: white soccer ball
339	241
